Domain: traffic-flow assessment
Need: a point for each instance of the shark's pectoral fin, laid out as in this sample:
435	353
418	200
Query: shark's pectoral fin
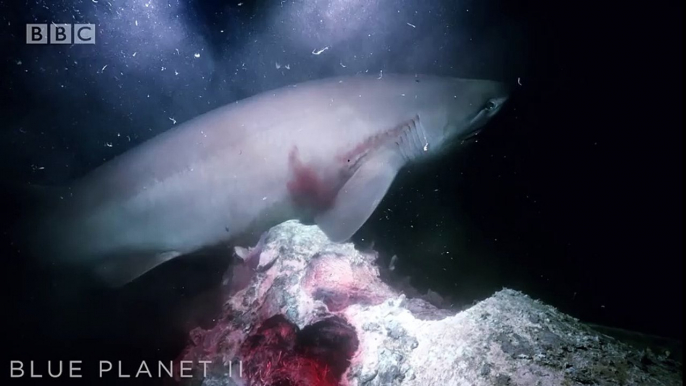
121	270
360	195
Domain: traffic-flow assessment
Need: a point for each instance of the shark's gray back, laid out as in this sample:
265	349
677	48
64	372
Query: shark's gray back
308	114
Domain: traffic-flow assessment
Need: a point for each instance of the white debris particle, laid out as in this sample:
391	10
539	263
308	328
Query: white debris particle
108	144
264	198
342	65
277	65
163	68
426	147
239	4
134	54
393	262
176	72
177	51
412	25
103	69
380	74
288	66
95	1
173	120
197	55
136	22
318	52
18	62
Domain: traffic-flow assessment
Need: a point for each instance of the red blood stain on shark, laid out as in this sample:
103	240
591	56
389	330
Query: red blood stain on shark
307	188
317	192
315	189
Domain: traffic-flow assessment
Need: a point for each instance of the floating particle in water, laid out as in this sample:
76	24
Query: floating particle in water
394	260
319	52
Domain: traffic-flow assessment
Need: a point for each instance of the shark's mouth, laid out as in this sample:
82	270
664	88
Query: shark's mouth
471	135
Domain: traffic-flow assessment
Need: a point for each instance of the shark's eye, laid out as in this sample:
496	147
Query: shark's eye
490	105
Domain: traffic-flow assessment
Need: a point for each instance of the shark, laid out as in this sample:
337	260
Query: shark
324	152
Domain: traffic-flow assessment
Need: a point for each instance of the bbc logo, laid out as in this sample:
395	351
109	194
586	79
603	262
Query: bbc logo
60	34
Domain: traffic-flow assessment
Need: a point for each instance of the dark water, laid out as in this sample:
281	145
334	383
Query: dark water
572	194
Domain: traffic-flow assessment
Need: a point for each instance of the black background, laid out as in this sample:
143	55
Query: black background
572	194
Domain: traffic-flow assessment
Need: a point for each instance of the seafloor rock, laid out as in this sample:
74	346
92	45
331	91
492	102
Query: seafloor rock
317	313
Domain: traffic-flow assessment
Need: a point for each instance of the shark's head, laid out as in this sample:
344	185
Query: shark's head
462	108
486	98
